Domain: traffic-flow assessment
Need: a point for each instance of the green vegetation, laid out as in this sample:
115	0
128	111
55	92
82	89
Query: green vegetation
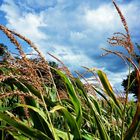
40	101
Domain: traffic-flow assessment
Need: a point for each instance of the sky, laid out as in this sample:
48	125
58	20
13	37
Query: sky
75	31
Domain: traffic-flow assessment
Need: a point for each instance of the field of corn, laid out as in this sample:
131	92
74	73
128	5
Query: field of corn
40	100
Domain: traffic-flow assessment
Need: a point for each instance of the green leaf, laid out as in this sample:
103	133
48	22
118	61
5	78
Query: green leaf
70	119
29	132
107	87
97	116
42	118
134	125
63	135
74	99
96	104
38	94
17	136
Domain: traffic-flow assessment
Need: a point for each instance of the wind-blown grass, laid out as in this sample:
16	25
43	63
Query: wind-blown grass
31	106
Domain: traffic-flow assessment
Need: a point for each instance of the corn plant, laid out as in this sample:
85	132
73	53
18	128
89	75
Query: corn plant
31	105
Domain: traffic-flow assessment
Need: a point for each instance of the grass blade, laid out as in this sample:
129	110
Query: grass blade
73	97
29	132
70	119
107	87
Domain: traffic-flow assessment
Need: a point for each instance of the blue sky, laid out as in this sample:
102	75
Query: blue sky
73	30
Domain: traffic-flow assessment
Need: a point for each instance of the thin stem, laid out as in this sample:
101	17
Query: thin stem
125	104
47	112
3	135
66	125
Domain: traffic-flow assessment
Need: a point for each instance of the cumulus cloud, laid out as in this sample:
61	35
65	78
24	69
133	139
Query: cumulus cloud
101	18
27	24
74	31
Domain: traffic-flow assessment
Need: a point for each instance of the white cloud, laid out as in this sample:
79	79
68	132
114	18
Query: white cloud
73	60
11	9
77	36
116	78
28	24
104	18
71	32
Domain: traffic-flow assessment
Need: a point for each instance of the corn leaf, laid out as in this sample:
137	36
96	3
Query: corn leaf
73	97
107	87
70	119
29	132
